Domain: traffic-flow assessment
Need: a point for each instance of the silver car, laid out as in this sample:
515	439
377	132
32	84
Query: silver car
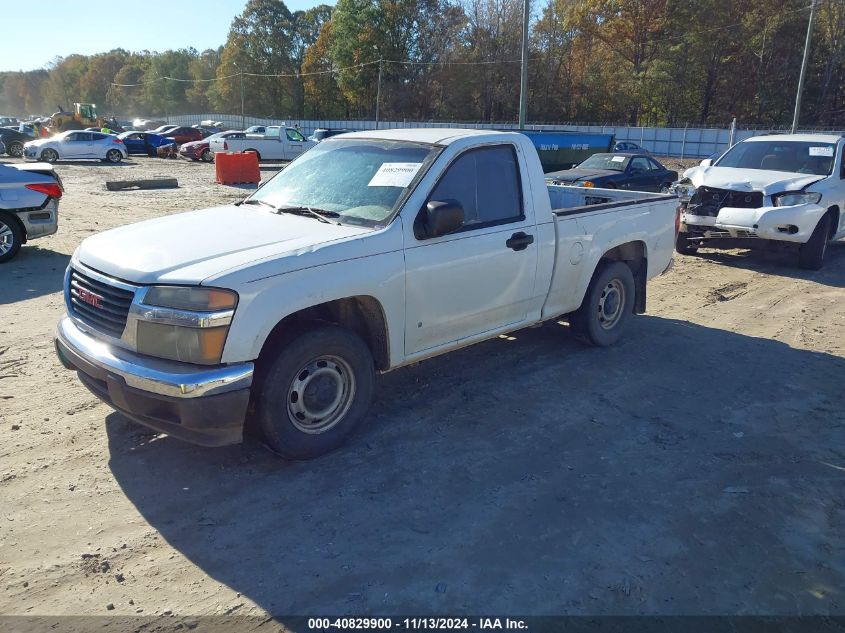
76	144
29	205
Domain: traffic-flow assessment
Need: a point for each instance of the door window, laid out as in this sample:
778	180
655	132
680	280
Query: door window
639	164
294	135
486	184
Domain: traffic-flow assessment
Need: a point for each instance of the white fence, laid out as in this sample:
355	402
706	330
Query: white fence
662	141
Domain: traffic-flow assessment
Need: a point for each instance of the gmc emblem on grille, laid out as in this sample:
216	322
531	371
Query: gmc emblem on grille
86	296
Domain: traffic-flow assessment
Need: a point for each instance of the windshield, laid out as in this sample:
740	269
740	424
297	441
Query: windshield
359	179
612	162
797	157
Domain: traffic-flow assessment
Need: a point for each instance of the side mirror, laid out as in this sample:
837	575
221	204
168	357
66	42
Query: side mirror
443	217
706	162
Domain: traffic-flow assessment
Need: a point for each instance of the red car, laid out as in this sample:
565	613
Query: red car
185	134
199	150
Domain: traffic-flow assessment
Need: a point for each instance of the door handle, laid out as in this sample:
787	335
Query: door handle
519	241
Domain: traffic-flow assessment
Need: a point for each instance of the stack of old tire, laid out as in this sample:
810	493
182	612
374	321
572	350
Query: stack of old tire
236	168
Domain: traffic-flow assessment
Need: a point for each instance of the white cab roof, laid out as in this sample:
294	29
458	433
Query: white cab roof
806	138
434	135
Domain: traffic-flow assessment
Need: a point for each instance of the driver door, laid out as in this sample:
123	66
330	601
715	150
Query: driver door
77	145
481	277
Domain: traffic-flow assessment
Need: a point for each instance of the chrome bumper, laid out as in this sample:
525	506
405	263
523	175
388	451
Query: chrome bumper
155	376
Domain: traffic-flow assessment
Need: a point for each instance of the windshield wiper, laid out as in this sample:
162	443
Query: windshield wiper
320	214
257	201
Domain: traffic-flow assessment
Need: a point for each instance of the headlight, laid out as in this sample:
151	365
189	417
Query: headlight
188	324
792	198
684	190
190	298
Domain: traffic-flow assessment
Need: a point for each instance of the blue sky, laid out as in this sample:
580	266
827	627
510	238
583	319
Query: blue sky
33	35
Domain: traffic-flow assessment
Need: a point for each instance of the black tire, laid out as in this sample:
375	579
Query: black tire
664	188
49	155
292	426
683	245
811	255
11	238
15	149
207	156
114	156
254	151
607	306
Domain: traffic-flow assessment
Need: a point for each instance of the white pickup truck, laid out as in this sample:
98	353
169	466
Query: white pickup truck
277	143
787	188
372	251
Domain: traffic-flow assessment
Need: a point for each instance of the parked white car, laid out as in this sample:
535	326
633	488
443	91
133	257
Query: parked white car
372	251
76	144
788	188
277	143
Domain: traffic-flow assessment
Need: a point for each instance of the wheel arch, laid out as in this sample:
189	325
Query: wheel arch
635	255
362	314
834	216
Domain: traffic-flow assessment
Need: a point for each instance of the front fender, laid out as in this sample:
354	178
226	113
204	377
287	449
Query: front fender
265	302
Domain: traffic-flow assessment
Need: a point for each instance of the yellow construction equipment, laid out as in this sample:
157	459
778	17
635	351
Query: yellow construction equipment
84	115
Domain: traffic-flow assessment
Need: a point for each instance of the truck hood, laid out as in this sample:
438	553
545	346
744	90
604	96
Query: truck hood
187	248
769	182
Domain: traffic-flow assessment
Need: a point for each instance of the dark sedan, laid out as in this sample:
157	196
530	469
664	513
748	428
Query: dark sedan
636	172
142	142
14	141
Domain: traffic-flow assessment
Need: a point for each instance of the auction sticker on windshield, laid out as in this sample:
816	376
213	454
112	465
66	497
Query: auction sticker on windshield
395	175
821	151
617	159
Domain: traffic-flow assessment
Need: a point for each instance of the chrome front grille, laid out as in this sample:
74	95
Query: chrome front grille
98	304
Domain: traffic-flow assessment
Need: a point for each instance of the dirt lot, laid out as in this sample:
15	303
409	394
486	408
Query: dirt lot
696	468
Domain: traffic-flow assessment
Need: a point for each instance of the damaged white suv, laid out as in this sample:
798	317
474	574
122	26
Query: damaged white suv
788	188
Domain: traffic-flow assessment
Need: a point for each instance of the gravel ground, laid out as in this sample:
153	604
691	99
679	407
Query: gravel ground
695	468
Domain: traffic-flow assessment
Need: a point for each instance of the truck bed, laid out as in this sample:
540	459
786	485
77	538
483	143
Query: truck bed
568	200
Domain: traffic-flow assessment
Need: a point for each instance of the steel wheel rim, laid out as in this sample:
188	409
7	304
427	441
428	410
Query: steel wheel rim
611	304
321	394
7	238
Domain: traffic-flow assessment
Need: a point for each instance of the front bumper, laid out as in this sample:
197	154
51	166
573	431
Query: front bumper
202	405
786	224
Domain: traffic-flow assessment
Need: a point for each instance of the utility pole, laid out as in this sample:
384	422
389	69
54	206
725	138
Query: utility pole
243	124
378	91
523	83
803	67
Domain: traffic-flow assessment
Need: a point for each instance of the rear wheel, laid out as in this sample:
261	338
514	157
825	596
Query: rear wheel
254	151
11	238
49	156
15	149
114	156
811	255
315	392
607	306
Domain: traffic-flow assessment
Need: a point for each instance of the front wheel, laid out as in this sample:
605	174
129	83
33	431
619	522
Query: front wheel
49	156
11	238
315	392
684	243
607	306
811	255
114	156
15	149
207	156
